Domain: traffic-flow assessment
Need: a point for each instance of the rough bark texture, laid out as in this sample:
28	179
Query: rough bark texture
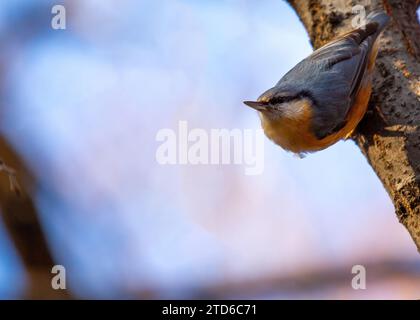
389	135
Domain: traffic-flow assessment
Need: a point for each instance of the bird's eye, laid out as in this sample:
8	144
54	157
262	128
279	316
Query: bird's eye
276	100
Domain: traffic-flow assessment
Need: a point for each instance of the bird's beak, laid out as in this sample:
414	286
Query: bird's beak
260	106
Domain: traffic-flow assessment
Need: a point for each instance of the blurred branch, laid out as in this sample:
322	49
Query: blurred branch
22	223
18	212
303	282
11	173
389	135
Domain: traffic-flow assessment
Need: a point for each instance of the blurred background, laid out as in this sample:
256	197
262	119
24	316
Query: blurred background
80	110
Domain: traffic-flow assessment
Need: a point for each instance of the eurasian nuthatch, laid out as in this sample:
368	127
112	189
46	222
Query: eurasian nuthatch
323	98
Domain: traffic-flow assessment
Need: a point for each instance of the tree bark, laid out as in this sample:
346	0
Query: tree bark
389	134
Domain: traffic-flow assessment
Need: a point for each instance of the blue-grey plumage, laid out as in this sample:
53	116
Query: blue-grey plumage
323	98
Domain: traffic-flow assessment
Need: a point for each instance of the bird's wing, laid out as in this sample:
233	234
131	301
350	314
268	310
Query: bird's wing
352	49
341	65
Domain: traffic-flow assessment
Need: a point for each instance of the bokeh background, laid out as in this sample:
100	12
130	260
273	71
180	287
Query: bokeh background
80	109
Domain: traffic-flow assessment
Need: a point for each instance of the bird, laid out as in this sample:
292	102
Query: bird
324	97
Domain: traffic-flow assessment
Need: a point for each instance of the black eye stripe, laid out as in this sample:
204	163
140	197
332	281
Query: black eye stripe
280	99
308	95
300	95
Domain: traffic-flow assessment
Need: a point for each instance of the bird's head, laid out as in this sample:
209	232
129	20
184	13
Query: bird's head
275	104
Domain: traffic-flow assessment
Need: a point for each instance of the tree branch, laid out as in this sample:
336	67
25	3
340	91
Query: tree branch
389	135
20	217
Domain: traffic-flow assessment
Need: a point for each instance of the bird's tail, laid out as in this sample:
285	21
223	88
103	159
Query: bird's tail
380	17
